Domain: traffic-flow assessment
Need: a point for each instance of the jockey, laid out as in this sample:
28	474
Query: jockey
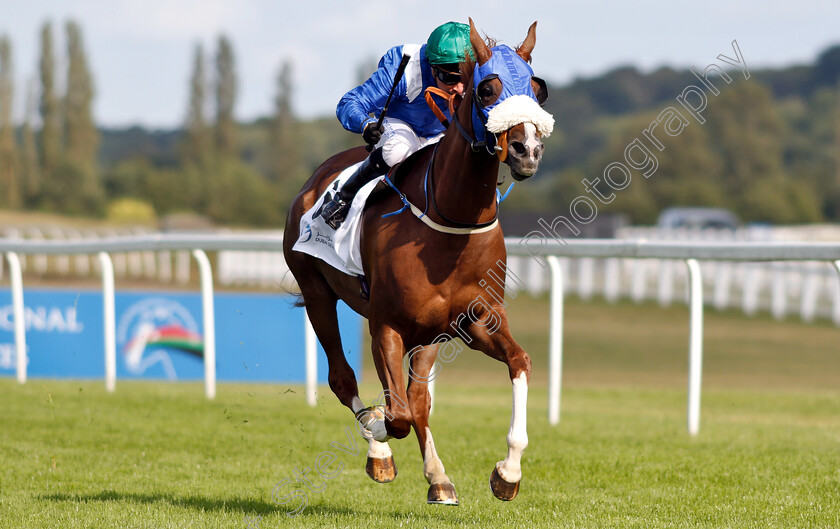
410	124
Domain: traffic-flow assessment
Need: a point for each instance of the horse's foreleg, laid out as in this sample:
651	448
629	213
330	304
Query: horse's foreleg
321	310
504	481
499	344
441	489
395	418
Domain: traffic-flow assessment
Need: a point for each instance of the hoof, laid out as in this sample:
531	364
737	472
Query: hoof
442	494
381	470
502	489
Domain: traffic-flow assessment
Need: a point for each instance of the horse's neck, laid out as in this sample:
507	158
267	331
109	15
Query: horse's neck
465	181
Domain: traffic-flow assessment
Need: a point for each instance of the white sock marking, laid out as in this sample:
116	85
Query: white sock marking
432	466
517	439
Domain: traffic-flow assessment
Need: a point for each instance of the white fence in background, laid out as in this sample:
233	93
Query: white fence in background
800	288
236	268
552	255
727	252
807	289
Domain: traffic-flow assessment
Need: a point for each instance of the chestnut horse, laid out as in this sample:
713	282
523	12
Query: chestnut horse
425	277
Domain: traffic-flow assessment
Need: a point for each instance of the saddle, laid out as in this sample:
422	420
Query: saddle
341	248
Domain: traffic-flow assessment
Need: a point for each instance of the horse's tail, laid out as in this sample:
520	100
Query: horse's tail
282	284
298	300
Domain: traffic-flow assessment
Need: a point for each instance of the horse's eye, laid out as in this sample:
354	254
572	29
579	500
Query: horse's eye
488	90
540	89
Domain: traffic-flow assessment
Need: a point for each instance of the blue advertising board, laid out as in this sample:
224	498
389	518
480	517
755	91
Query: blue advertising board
259	337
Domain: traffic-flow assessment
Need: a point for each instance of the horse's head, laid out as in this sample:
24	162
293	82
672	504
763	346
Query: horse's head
507	100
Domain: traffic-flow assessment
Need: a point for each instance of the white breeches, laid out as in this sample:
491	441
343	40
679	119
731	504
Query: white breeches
399	140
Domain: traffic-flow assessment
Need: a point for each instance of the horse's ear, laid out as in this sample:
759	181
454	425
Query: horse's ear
524	50
482	52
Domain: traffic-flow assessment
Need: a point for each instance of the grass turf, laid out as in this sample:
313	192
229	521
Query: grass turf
159	455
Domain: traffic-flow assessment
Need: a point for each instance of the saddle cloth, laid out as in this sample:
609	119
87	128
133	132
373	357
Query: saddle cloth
339	248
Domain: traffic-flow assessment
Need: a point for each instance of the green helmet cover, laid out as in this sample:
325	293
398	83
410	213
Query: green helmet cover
448	42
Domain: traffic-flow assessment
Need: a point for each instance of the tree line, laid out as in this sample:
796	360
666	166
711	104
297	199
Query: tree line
214	172
769	151
54	168
209	169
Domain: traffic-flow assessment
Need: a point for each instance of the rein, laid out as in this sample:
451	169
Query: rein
429	190
499	148
500	142
457	228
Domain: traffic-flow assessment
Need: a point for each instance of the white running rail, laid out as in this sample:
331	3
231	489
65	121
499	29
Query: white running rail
545	252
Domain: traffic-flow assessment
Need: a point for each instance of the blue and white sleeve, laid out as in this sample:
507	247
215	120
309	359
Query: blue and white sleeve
356	106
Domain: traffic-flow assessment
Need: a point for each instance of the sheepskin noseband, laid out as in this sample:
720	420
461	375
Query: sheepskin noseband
517	103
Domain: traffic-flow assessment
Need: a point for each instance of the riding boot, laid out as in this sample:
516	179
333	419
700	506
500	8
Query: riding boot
335	211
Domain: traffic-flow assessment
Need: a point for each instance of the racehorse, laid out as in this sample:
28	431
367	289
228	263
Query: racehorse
424	278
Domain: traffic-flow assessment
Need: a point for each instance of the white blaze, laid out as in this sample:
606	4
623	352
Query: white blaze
532	143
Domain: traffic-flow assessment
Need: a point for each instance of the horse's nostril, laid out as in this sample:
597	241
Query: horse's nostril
519	147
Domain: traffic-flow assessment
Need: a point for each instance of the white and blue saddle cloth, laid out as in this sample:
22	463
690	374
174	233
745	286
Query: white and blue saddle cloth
339	248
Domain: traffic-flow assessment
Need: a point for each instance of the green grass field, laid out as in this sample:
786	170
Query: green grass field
160	455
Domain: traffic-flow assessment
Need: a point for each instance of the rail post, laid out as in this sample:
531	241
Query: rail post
695	347
555	344
209	318
109	321
16	278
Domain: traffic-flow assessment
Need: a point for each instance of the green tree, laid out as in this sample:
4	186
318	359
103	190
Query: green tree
50	136
836	150
826	71
31	170
690	171
240	195
81	138
748	132
196	147
284	151
226	87
10	192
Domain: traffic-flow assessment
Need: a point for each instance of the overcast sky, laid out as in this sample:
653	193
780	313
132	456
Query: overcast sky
140	51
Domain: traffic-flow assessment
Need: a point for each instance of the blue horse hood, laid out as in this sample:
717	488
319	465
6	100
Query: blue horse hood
515	75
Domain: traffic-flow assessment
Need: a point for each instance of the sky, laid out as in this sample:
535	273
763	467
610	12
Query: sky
141	51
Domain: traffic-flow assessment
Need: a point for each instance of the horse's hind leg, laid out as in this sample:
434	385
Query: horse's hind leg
499	344
380	465
441	489
321	308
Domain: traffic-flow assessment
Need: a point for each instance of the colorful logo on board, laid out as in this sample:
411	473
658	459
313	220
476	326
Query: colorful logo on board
153	328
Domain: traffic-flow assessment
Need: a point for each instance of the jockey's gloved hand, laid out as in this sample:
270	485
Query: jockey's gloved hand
372	133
